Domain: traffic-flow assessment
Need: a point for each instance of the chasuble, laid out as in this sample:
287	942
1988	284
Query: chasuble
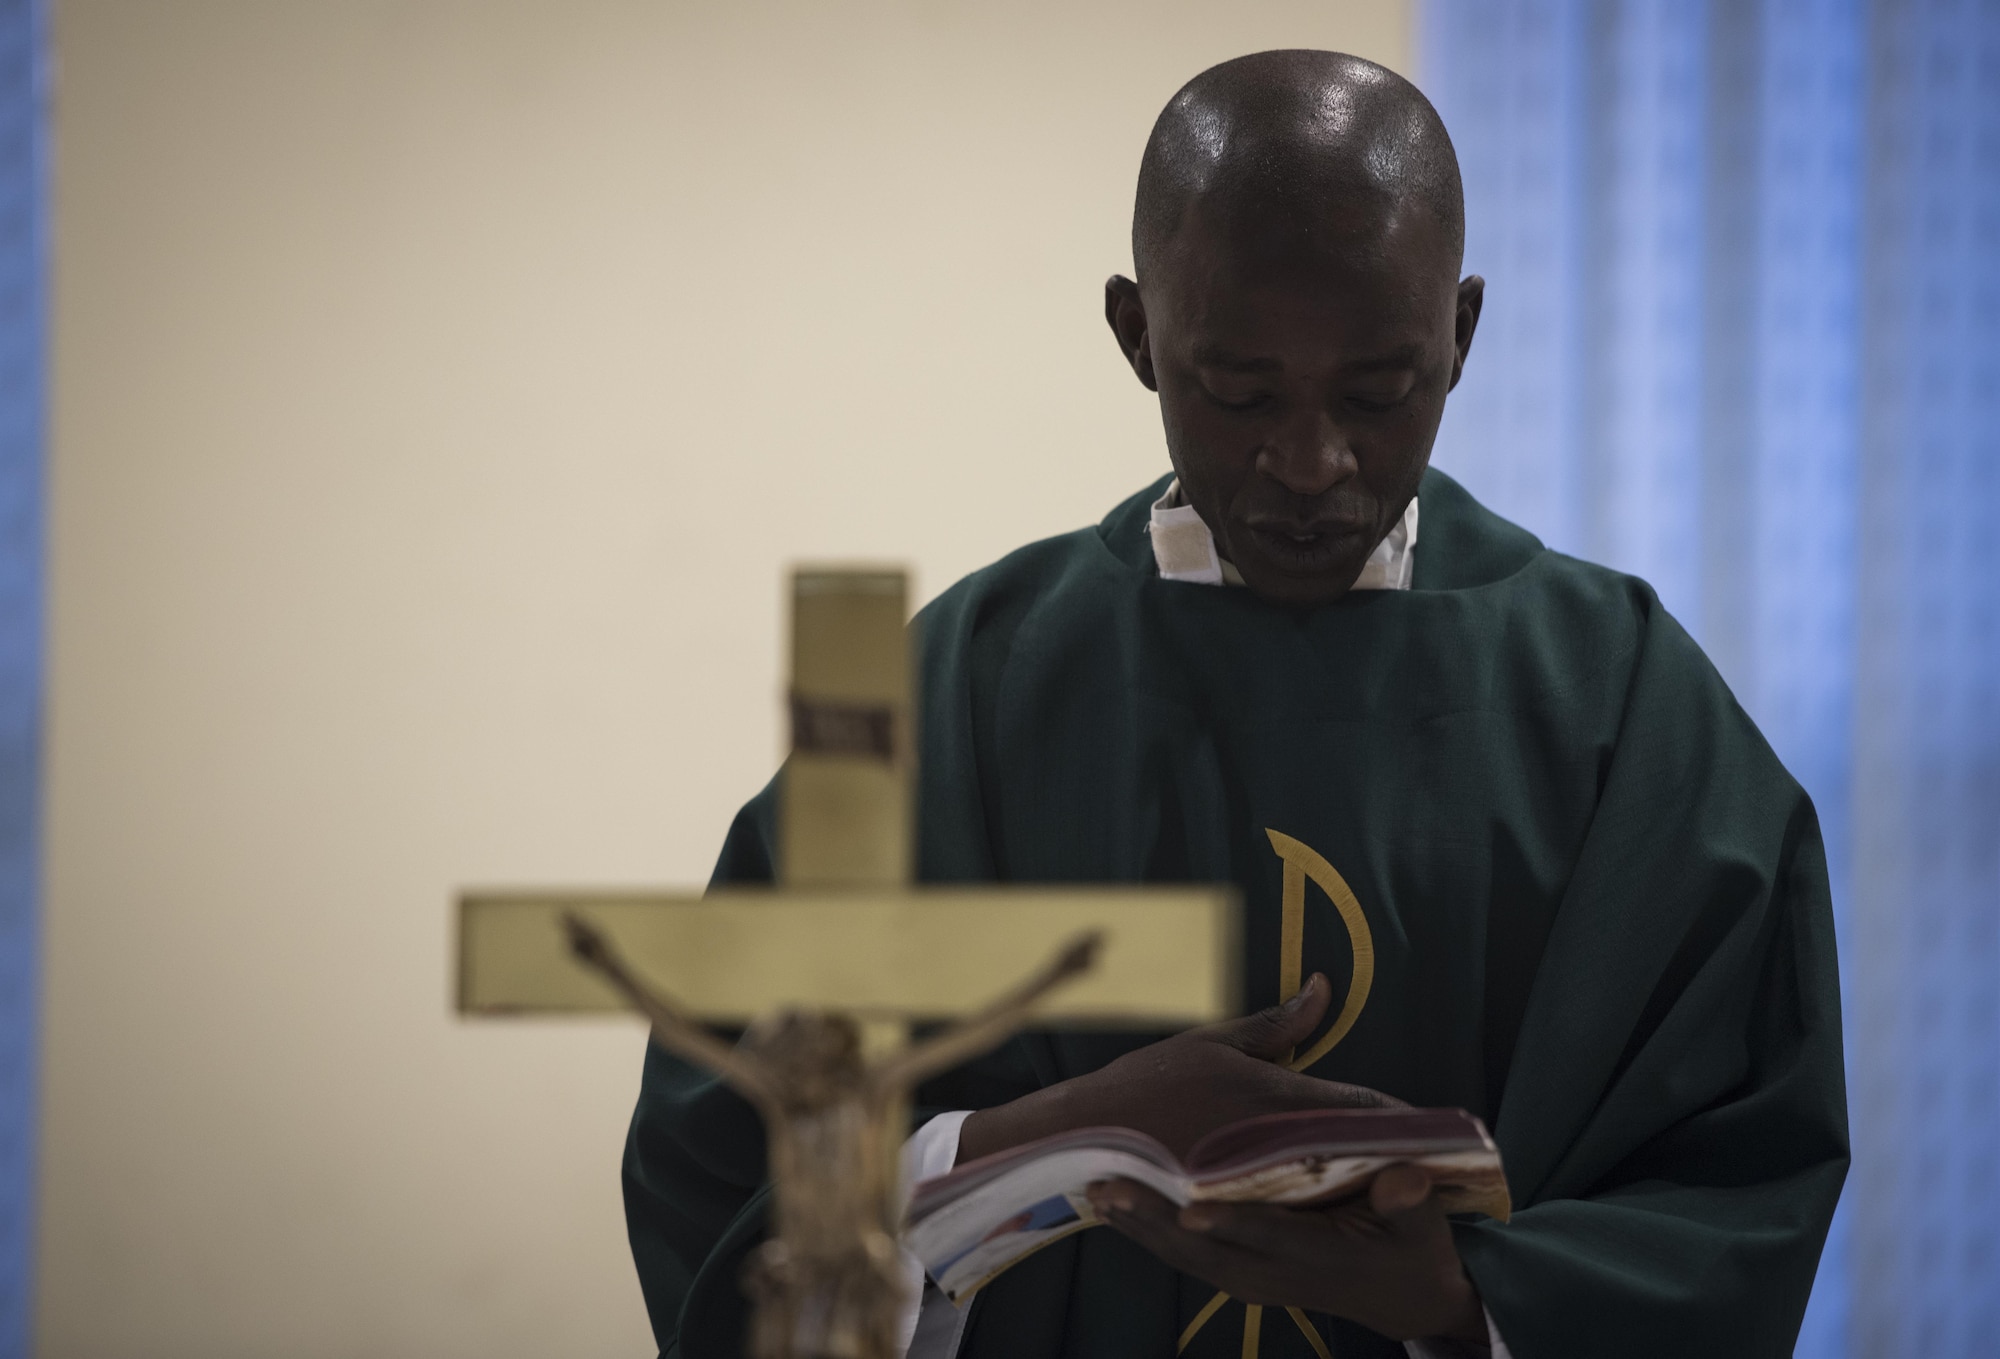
1553	872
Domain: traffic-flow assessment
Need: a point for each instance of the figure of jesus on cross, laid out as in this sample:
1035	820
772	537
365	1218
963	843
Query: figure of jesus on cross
829	1281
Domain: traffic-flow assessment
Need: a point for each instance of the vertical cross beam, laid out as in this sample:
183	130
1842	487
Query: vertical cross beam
846	929
844	814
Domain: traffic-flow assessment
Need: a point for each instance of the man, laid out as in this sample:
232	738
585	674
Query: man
1595	905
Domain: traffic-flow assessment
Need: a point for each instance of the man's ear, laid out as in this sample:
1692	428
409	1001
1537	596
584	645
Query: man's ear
1127	316
1471	296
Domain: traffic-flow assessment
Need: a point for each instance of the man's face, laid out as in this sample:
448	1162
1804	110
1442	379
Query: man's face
1302	371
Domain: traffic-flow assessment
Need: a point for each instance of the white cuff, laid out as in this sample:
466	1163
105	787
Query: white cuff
930	1151
1439	1348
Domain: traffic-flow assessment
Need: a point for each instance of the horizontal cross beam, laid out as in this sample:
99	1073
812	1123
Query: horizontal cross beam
1169	956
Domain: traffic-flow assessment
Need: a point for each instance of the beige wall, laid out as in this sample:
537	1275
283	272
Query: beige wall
439	390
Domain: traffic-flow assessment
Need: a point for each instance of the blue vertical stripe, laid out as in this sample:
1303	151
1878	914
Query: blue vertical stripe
22	259
1926	1198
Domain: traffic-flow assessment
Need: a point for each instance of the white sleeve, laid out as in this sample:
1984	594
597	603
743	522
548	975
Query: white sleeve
931	1151
1494	1348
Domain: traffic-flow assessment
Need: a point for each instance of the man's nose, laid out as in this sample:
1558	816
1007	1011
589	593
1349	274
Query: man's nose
1309	457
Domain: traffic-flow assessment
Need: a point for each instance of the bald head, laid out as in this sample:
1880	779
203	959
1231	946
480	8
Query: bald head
1297	137
1298	308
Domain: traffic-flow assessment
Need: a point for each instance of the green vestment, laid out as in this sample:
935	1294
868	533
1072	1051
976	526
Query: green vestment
1597	904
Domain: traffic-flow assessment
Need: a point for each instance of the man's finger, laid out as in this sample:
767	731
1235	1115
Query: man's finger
1398	1190
1261	1227
1154	1223
1130	1199
1273	1032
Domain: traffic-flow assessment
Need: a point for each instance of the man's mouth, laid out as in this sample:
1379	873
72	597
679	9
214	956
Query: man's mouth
1305	547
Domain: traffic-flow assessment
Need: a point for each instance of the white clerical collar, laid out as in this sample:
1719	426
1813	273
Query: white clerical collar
1184	549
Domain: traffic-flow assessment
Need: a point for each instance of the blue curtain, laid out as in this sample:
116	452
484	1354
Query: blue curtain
1742	338
22	259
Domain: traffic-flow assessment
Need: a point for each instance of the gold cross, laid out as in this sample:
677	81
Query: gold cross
846	938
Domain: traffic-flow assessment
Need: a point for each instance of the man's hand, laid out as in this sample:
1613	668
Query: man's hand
1385	1260
1183	1088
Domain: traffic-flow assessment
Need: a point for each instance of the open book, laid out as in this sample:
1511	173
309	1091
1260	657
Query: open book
970	1225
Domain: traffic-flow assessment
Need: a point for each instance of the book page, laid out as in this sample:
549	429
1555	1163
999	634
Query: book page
964	1240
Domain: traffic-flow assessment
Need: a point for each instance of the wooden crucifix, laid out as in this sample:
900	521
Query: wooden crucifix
828	968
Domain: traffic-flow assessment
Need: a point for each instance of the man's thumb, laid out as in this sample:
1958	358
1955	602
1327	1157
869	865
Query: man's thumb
1274	1032
1397	1190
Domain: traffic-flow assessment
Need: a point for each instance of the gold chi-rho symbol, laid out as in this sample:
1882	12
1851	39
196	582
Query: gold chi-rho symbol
1302	861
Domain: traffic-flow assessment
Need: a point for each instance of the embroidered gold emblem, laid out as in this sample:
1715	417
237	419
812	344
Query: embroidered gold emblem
1303	862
